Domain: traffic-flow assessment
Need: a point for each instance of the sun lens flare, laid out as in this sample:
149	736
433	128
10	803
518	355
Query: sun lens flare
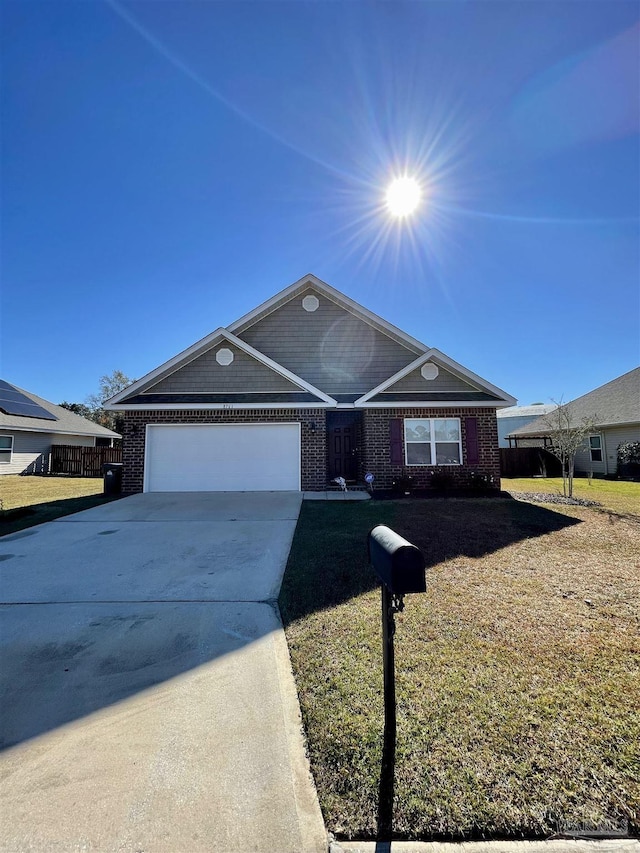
403	196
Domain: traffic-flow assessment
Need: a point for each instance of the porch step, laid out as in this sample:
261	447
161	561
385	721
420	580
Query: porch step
351	487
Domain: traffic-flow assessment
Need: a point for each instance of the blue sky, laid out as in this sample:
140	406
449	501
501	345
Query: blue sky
167	166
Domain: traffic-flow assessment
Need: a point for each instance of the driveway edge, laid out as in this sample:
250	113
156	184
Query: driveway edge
611	845
312	831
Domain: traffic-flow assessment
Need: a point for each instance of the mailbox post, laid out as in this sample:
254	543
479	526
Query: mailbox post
400	566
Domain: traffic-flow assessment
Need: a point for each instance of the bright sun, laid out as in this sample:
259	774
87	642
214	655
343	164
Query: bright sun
403	196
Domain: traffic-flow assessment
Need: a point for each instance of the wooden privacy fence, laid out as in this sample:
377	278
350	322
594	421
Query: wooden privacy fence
82	461
528	462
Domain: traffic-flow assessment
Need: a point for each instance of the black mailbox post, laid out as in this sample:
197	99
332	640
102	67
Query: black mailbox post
401	568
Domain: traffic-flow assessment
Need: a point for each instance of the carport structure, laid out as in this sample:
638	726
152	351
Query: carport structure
147	693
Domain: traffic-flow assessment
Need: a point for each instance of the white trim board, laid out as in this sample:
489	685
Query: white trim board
215	407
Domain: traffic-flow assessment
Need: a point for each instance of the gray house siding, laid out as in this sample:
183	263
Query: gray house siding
31	450
330	347
611	439
204	374
445	381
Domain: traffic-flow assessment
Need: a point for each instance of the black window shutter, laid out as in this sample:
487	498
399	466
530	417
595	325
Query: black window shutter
395	441
471	430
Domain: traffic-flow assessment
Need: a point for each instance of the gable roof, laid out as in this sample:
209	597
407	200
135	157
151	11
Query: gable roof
334	295
141	394
330	349
65	423
614	403
477	390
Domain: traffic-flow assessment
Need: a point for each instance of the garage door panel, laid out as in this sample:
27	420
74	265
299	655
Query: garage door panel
229	457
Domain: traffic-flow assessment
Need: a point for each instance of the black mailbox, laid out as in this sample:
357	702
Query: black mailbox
398	563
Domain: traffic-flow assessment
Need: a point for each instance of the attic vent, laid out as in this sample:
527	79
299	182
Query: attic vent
429	371
224	356
310	303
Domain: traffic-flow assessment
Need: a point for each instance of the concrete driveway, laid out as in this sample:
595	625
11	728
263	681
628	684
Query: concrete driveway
147	697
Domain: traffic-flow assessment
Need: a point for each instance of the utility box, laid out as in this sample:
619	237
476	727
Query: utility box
399	564
112	473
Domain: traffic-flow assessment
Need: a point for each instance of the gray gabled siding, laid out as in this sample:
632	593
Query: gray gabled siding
444	381
204	374
330	347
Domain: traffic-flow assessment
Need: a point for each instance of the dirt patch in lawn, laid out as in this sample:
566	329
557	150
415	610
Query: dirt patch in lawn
518	673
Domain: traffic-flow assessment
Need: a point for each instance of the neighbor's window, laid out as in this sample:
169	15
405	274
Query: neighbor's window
595	446
6	446
432	441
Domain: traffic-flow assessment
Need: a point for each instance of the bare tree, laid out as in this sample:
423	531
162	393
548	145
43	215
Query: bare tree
567	437
109	385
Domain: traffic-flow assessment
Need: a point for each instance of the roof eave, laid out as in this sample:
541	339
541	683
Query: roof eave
434	404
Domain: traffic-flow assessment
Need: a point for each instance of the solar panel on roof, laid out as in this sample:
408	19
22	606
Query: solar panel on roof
14	402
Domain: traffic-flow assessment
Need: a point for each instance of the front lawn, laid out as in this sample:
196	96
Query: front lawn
25	501
518	673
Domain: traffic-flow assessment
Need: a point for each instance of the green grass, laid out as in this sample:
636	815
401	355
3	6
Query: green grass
518	678
26	501
614	495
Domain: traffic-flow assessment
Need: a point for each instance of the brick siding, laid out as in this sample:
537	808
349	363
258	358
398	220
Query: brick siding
374	444
375	449
314	444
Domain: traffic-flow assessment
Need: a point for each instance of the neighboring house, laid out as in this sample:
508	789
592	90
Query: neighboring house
613	408
307	387
514	417
29	426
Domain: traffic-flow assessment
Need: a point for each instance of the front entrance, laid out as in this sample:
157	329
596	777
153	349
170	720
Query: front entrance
344	430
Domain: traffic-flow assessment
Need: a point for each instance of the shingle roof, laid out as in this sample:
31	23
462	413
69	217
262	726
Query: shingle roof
196	400
616	402
67	423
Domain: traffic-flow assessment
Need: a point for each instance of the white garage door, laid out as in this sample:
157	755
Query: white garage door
223	457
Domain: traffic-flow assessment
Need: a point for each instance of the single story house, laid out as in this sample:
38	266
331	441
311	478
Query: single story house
30	426
614	410
307	387
514	417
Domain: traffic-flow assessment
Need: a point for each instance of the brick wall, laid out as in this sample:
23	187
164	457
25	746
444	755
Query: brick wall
376	457
374	444
314	444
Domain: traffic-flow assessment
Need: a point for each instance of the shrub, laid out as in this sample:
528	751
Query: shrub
441	481
481	482
629	460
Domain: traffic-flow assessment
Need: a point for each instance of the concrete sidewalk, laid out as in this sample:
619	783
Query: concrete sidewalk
165	721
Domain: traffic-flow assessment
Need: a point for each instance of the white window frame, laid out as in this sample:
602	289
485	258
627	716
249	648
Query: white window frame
597	449
3	450
432	443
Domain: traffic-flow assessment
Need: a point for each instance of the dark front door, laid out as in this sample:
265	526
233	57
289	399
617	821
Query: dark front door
343	435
